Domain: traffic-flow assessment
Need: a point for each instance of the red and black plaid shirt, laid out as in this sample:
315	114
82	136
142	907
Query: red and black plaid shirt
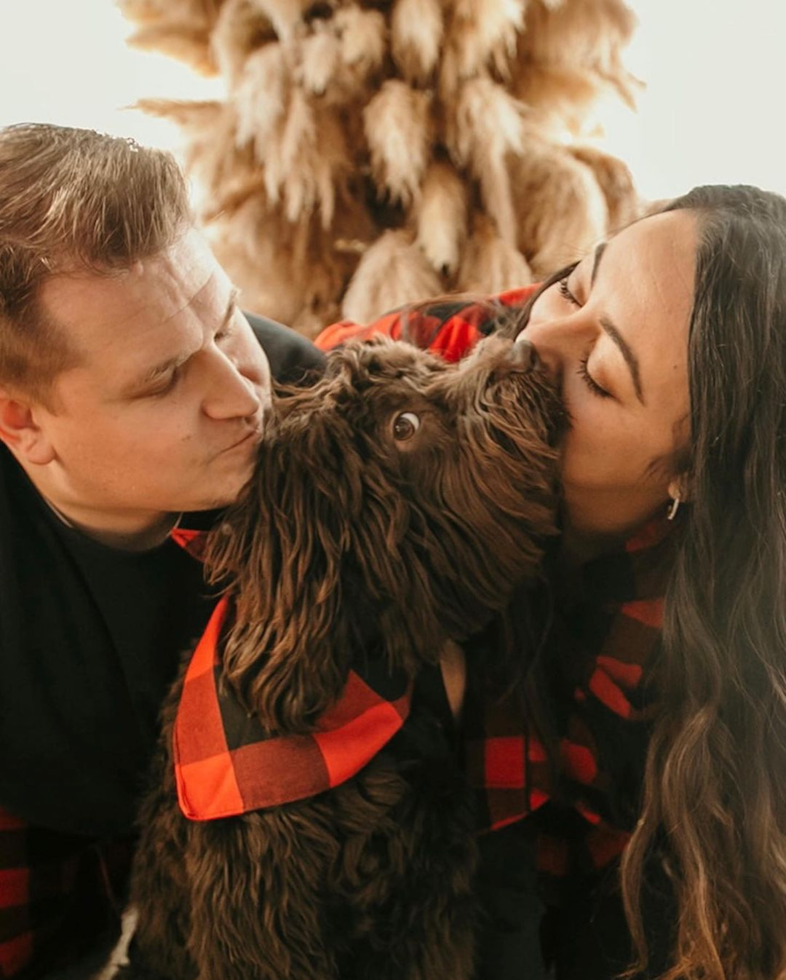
598	657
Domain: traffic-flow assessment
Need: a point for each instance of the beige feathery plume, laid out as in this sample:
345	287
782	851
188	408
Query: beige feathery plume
260	260
322	272
441	217
481	34
284	271
393	271
284	15
484	128
363	37
186	42
317	59
240	29
141	11
447	107
616	182
212	156
398	132
561	210
305	160
416	32
491	265
179	11
261	98
357	50
559	99
288	156
583	36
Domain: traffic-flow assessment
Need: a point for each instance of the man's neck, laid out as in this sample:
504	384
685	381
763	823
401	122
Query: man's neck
127	531
131	539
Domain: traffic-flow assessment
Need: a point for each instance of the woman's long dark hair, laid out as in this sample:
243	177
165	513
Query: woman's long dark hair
715	784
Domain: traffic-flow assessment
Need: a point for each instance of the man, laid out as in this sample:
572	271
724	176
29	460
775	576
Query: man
133	392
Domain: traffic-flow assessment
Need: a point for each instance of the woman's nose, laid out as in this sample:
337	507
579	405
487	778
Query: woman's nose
557	340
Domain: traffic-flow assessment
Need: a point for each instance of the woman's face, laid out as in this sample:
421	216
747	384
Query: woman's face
615	333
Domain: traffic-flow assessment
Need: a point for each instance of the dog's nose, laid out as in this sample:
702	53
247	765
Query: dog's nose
523	355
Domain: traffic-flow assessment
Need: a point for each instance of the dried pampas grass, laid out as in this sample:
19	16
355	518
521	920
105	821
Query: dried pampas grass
486	127
584	36
284	15
372	153
560	209
417	28
398	132
261	98
305	162
393	271
441	218
615	181
183	42
304	274
240	30
212	155
179	11
482	34
490	264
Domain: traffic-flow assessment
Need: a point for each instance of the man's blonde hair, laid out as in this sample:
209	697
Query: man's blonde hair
73	201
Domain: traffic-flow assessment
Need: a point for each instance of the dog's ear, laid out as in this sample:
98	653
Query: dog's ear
281	554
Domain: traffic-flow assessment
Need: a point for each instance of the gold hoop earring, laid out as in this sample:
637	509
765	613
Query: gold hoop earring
674	506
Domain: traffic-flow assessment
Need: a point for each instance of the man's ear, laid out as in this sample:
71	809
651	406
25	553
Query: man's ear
21	432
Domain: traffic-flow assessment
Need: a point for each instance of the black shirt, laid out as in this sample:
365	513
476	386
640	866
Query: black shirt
90	638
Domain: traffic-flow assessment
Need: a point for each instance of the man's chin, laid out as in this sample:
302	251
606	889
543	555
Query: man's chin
223	497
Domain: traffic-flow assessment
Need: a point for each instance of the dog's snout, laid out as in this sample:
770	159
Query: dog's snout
523	355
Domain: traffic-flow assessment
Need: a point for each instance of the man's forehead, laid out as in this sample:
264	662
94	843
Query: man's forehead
98	310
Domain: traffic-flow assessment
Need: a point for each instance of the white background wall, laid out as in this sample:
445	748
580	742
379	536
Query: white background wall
712	112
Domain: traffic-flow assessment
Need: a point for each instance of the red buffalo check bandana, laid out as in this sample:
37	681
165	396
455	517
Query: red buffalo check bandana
227	764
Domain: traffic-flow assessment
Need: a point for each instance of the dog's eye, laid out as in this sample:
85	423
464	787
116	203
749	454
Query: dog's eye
405	426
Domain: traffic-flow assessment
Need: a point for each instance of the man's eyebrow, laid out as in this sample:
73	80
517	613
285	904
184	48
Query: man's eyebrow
630	358
173	363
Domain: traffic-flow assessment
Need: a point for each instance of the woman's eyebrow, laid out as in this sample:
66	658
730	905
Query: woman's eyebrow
596	262
630	358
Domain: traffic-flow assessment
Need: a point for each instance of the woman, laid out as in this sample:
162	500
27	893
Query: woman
670	345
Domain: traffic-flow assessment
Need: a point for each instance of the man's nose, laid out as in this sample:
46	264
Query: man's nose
230	394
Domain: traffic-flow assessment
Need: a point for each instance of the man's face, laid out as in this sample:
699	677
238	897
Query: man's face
164	411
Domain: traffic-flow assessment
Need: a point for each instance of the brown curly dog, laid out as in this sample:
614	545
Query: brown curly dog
395	506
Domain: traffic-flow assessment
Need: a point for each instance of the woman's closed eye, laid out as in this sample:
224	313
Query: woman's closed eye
584	374
589	381
564	290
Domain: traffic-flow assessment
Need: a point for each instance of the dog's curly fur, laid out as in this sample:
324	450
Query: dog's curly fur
357	531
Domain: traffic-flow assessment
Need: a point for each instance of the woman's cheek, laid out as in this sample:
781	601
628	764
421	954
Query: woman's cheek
577	400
